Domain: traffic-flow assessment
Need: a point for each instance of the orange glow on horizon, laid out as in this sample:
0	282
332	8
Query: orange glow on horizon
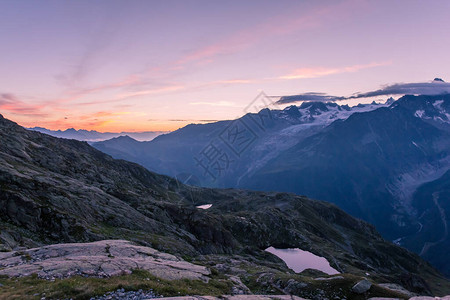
106	125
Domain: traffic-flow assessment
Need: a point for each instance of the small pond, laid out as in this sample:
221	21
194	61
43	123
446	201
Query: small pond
300	260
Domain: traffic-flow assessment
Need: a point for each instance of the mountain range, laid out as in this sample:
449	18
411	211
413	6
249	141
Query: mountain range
95	136
386	163
56	190
262	136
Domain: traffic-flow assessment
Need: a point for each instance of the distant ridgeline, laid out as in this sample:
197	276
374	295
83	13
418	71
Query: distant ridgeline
95	136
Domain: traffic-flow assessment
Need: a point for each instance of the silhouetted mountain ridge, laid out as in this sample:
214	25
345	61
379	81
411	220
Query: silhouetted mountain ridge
95	136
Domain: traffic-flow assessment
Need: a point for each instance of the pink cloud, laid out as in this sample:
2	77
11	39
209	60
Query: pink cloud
325	71
12	104
131	80
103	114
165	89
277	26
218	103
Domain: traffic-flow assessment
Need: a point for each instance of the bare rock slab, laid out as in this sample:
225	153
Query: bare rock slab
98	259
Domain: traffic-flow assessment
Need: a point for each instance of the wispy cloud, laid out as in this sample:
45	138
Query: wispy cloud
276	26
104	114
98	40
169	88
77	93
219	103
11	103
315	72
127	95
129	81
232	81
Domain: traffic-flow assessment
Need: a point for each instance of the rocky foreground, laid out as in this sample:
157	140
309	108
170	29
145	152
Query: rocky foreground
282	297
136	269
99	259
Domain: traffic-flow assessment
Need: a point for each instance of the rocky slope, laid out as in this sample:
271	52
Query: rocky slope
377	165
377	162
55	190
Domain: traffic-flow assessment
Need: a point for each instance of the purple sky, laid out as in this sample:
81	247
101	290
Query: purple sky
159	65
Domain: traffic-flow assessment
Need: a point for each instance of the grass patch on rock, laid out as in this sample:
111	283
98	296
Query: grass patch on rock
78	287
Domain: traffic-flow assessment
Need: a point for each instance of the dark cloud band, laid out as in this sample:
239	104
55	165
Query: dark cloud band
421	88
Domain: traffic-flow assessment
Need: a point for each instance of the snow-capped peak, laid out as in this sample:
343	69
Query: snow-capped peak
321	113
437	110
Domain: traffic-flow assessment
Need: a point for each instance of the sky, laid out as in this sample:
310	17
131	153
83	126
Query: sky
159	65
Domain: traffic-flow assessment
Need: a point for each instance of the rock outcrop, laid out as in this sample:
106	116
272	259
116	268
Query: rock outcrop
98	259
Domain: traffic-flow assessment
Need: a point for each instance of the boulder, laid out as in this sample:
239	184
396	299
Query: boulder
362	286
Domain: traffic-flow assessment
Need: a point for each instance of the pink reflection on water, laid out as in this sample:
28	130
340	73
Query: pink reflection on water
299	260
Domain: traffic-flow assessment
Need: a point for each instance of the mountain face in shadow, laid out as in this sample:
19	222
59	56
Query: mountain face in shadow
377	162
55	190
243	145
